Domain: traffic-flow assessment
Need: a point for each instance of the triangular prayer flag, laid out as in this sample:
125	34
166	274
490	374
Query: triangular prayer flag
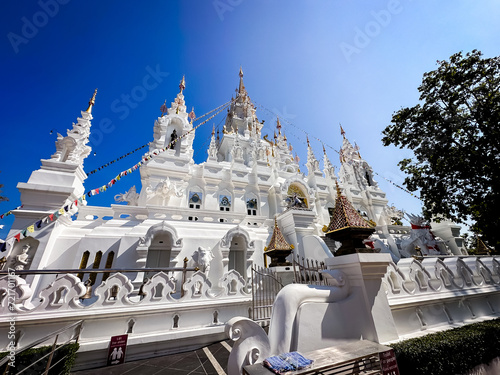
51	217
1	216
61	211
57	214
17	237
31	228
66	208
3	246
38	224
23	232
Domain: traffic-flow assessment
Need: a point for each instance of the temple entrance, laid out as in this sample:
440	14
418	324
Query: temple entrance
159	252
238	256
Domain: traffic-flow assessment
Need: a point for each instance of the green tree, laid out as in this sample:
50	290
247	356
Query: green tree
455	137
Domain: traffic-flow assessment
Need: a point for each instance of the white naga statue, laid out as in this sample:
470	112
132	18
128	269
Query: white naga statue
131	197
202	257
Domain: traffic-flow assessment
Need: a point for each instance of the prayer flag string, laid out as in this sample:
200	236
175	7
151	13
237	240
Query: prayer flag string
324	144
150	155
67	209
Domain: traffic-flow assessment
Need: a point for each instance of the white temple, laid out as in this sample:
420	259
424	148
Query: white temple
219	215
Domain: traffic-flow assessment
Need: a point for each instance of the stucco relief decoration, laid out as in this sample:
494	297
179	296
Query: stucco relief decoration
202	258
233	284
16	286
163	191
295	198
151	287
114	291
197	286
72	148
64	291
131	197
21	260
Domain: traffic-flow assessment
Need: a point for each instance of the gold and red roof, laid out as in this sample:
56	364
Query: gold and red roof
345	215
278	241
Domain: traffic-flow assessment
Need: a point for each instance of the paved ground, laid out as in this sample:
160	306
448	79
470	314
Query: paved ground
210	360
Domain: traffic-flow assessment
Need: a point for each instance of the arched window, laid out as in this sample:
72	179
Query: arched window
195	199
83	264
109	263
224	202
252	205
159	252
237	255
97	262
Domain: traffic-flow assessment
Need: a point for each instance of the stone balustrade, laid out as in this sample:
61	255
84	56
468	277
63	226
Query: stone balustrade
442	292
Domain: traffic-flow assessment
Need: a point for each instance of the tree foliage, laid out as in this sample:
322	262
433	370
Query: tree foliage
455	137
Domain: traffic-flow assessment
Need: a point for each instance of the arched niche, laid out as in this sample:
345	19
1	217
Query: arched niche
174	129
237	249
22	253
159	237
295	187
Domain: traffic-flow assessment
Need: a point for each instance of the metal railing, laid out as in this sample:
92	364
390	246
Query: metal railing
55	347
265	287
308	272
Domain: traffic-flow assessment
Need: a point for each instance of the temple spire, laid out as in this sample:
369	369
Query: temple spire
278	125
91	102
182	85
342	131
241	87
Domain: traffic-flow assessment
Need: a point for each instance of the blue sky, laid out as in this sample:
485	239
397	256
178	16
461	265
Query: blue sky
314	63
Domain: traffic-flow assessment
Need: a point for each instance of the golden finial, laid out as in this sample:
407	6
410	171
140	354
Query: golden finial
278	125
91	102
324	151
342	131
213	130
182	85
338	189
241	72
307	137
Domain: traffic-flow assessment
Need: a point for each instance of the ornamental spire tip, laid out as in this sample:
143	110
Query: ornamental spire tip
91	102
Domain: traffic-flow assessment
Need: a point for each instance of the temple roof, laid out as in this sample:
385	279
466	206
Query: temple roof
277	241
345	215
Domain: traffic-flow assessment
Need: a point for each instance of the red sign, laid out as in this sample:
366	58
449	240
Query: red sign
117	348
388	363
